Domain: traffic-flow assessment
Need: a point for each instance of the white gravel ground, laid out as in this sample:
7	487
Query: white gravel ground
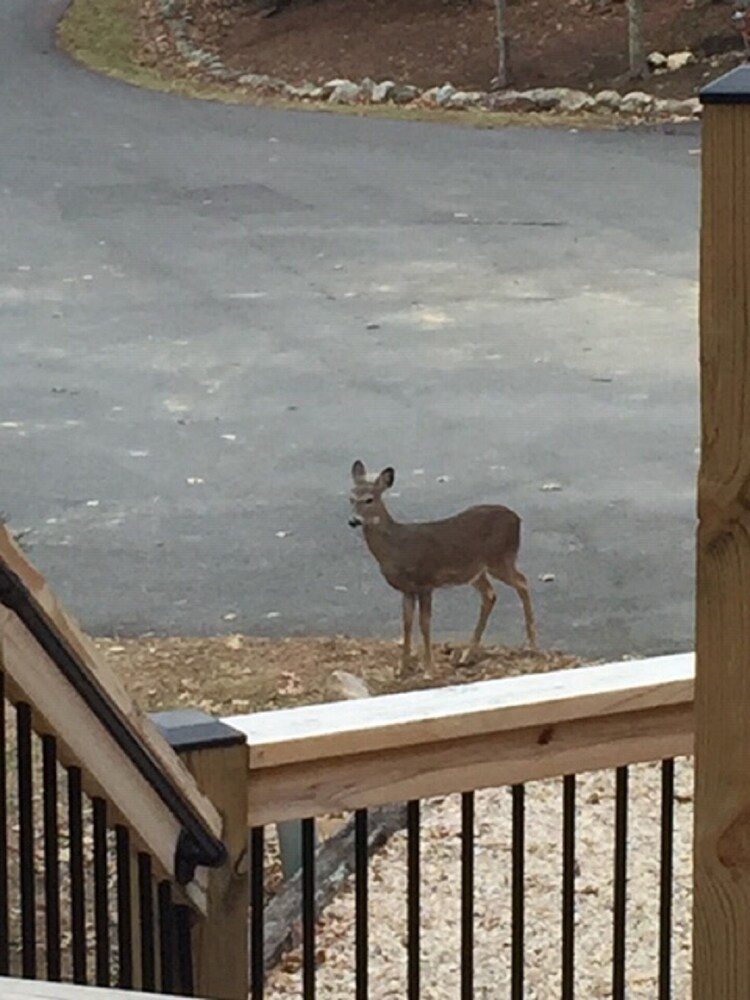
441	851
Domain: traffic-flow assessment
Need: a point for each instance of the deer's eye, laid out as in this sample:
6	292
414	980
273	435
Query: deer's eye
368	500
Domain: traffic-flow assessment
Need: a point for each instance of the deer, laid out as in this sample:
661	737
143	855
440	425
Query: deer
417	558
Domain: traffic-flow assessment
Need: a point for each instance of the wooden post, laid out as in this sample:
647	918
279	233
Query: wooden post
721	926
216	756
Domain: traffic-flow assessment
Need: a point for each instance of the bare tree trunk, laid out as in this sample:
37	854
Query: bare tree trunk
636	53
503	75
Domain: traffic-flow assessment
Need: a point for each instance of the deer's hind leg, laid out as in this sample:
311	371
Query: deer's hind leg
508	573
488	597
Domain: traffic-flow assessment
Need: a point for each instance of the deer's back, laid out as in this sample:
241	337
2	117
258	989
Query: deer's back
455	550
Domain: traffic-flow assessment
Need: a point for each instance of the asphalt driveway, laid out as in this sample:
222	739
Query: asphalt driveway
208	312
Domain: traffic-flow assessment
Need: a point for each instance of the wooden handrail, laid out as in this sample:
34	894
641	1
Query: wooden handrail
156	811
325	758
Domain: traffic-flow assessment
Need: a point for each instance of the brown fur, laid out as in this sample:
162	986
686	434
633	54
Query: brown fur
421	557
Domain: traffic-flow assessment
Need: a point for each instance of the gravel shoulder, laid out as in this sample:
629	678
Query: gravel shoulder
441	895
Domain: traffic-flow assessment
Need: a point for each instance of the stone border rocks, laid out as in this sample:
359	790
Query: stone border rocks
635	104
177	21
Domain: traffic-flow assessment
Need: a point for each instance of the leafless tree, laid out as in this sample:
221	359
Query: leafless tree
636	52
502	79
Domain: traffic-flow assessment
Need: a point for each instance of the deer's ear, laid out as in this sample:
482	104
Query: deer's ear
387	478
358	471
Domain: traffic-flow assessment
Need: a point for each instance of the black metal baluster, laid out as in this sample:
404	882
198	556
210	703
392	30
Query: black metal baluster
620	888
146	911
665	889
124	909
51	859
308	909
361	872
467	896
257	853
4	916
517	893
26	841
77	887
183	930
101	893
166	937
568	887
412	900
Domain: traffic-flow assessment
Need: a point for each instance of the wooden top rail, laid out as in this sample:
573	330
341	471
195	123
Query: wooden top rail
328	758
52	665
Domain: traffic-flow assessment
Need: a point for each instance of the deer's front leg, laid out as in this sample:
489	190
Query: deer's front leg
425	619
408	610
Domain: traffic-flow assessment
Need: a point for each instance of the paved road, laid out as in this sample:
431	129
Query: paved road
207	312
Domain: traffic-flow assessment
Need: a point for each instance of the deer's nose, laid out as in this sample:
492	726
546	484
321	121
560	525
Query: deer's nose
355	522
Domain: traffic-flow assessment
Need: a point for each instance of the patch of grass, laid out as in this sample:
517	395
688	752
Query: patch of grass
472	118
103	36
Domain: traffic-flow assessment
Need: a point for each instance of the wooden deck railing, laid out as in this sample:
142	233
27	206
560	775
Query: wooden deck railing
325	758
50	664
397	751
120	863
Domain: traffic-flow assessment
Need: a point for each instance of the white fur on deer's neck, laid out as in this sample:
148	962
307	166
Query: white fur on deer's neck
379	530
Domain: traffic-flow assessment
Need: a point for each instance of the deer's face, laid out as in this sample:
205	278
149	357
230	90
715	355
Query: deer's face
366	504
366	495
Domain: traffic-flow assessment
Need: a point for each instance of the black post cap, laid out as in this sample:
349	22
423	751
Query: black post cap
187	729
